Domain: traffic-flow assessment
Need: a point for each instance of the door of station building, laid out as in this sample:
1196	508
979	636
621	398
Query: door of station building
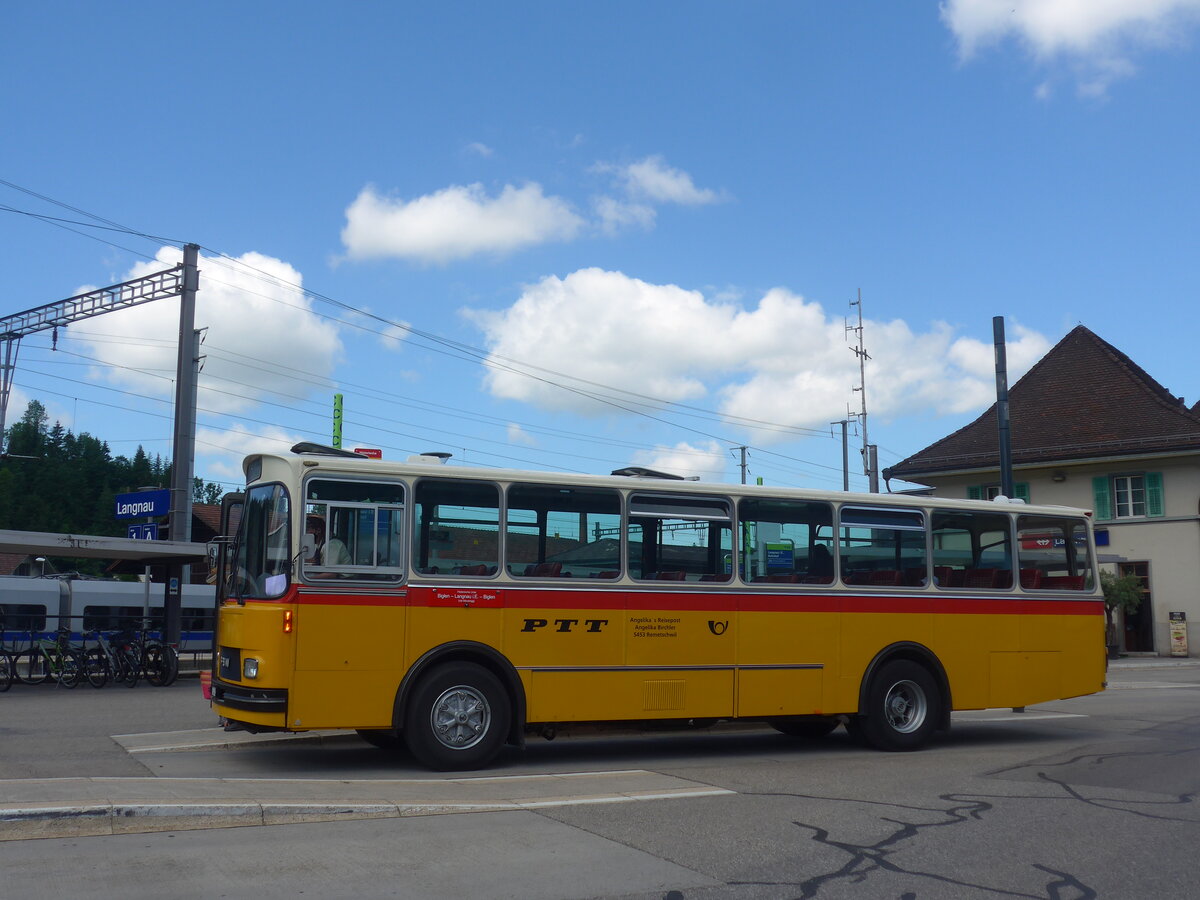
1139	626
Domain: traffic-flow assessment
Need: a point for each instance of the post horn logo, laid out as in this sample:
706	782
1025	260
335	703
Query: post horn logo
717	628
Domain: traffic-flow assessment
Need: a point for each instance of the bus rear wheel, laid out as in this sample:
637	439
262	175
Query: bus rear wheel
457	718
903	707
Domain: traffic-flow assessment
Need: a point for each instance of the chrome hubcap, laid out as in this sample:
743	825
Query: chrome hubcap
905	707
460	717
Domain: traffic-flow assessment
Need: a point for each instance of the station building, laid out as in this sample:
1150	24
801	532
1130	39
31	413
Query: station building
1090	428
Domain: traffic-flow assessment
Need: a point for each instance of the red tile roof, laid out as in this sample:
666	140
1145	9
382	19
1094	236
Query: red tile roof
1084	398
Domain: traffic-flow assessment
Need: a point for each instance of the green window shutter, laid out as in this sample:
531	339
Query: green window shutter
974	492
1154	494
1021	489
1102	498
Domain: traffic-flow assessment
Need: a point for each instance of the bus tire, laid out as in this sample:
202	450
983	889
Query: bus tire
903	707
457	718
809	727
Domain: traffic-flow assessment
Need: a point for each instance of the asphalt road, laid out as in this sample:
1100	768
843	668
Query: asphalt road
1093	797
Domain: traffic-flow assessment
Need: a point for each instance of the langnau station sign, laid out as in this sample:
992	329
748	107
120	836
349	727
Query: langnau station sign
143	503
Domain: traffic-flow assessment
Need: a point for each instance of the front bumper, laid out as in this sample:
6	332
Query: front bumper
250	699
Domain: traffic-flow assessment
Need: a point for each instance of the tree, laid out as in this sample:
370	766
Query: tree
54	480
1123	593
28	436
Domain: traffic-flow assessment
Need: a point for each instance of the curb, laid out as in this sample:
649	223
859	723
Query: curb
98	819
41	822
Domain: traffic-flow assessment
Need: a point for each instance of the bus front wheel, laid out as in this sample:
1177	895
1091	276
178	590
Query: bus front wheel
903	707
457	718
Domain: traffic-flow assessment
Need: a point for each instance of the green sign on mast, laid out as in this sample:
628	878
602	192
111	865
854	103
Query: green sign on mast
337	421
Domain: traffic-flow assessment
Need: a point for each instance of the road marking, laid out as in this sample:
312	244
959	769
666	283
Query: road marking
1023	717
1149	685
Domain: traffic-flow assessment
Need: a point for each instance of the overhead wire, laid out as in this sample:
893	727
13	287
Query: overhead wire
308	401
630	401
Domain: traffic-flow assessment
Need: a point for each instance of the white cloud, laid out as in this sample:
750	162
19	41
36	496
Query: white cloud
614	214
462	221
224	449
708	461
641	185
653	179
518	435
480	149
455	223
784	361
1095	36
262	336
392	337
608	328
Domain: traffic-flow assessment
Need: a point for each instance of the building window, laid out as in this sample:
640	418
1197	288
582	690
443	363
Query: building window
992	491
1128	496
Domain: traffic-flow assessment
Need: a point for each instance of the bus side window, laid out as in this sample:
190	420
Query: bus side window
680	538
353	529
972	550
457	527
560	532
786	541
1054	552
882	546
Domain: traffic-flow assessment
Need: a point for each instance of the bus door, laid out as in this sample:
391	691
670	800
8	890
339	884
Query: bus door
350	614
680	628
787	618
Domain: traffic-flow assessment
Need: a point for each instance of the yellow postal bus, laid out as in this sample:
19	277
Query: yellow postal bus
453	610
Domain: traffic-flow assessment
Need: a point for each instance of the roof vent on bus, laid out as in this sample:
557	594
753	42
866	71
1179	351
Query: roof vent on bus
642	472
431	457
308	448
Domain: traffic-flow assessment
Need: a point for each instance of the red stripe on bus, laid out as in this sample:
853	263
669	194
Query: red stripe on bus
638	601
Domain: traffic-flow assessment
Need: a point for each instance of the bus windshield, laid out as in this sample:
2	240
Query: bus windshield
261	562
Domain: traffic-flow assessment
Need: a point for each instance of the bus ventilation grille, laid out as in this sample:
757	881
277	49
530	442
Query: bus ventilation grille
663	695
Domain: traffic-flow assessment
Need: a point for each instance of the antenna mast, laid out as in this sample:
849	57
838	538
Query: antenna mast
869	450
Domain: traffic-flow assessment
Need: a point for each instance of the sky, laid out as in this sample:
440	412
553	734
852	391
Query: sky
581	236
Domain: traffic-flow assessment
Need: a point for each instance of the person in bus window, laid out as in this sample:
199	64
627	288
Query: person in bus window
327	553
820	564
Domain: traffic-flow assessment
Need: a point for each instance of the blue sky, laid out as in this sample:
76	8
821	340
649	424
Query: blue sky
638	226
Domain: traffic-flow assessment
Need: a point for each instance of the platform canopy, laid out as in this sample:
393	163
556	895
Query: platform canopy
93	546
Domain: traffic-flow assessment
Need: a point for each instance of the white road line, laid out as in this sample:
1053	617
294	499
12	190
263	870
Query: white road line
1023	717
1149	685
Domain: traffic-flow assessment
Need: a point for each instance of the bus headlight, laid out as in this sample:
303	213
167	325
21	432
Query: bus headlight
250	668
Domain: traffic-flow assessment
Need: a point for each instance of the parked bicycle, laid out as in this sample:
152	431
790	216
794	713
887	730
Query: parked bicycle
49	658
147	656
6	671
102	662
